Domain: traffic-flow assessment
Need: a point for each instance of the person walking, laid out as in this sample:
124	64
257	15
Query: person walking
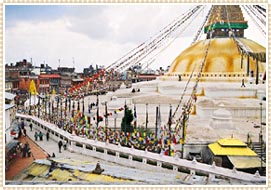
36	136
40	135
243	83
30	126
47	136
65	144
24	132
60	145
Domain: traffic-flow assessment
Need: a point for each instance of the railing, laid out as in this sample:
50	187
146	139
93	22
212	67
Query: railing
137	158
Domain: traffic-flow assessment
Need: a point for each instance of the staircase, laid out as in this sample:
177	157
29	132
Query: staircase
261	152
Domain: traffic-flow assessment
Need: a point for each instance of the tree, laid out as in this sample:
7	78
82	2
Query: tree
126	125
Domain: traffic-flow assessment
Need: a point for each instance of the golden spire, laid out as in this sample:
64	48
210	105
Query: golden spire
224	18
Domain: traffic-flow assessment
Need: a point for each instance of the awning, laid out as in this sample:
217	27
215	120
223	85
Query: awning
245	162
10	145
230	151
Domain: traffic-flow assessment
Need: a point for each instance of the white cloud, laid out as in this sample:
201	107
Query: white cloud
99	35
50	41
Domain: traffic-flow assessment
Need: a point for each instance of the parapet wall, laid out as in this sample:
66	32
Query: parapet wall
135	158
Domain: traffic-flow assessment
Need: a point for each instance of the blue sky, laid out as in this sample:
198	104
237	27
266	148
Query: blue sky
15	13
92	34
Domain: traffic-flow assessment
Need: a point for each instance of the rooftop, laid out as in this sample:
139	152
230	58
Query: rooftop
8	106
9	96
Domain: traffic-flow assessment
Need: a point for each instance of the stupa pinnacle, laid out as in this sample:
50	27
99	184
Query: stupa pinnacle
225	19
224	60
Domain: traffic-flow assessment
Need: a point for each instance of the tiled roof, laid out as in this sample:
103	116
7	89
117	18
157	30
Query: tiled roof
50	76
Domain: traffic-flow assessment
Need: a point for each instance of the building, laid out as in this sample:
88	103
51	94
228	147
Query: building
45	69
65	70
66	81
76	81
12	77
54	80
10	111
8	85
44	84
233	153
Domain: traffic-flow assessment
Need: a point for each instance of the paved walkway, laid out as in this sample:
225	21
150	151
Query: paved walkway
19	164
51	147
40	150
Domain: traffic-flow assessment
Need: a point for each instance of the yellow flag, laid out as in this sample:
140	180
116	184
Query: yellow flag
53	91
32	88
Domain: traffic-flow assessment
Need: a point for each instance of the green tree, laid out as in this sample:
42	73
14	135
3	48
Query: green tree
126	125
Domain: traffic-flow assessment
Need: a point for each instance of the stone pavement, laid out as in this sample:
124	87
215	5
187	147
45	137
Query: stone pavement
20	163
40	150
51	147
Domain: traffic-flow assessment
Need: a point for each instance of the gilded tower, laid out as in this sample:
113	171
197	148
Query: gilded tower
224	61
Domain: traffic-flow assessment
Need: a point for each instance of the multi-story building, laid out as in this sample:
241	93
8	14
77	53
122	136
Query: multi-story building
65	70
66	81
10	111
12	77
67	74
8	86
15	73
45	69
19	76
49	82
76	81
44	84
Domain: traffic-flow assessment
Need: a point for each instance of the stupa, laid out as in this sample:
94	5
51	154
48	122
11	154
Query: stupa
226	79
224	60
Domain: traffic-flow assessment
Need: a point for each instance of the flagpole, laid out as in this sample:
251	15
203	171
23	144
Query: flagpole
29	103
125	108
97	114
38	106
169	126
49	106
106	122
66	104
156	121
146	121
45	106
61	111
135	116
183	130
57	105
115	120
83	106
